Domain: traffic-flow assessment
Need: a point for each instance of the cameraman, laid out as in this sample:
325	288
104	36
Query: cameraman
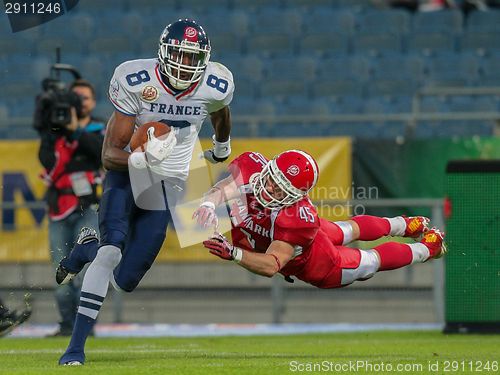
71	156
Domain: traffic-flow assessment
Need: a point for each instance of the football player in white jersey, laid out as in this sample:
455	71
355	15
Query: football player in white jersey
180	88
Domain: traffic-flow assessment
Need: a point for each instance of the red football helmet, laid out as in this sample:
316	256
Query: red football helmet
295	172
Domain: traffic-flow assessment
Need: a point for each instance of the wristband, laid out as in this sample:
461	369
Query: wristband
277	261
208	204
237	254
222	149
138	160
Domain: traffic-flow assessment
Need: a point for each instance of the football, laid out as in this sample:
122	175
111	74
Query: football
140	136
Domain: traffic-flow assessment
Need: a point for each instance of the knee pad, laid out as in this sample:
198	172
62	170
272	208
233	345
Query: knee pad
368	266
108	256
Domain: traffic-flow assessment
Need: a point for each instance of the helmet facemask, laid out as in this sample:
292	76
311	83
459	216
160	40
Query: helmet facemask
183	63
272	173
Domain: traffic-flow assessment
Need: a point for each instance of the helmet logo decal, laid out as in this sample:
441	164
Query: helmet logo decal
149	93
293	170
190	34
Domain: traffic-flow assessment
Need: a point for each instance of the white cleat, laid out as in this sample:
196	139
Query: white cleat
73	363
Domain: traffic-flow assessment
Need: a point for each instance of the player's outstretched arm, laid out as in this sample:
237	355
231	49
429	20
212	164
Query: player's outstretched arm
221	192
276	257
221	121
118	133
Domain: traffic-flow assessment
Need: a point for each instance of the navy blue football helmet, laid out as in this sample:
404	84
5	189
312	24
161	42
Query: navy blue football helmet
183	53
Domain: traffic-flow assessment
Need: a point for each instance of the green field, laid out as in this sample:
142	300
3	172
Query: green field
330	353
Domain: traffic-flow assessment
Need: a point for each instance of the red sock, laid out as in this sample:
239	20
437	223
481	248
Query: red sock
394	255
372	227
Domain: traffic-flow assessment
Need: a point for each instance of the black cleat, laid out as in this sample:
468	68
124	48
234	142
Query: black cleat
63	274
11	319
86	235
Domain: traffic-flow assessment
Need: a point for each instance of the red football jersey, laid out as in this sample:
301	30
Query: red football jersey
255	227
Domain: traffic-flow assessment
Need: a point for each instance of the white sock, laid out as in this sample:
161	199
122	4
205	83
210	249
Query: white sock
419	251
96	280
398	225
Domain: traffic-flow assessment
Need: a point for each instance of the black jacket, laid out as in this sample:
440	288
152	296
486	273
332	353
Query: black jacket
87	156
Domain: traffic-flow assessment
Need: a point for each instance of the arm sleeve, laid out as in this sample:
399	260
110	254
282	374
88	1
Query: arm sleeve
224	84
91	144
288	228
120	96
46	153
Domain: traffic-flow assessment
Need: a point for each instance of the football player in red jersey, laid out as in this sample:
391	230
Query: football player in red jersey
276	228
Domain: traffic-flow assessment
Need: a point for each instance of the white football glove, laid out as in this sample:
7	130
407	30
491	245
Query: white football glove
158	150
219	152
205	215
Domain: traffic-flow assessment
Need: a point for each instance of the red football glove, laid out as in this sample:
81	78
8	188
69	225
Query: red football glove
220	246
416	225
205	215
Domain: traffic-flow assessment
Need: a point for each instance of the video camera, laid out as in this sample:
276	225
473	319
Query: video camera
53	105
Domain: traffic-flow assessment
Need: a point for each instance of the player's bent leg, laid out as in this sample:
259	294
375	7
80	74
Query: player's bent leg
115	208
144	243
84	251
94	290
358	264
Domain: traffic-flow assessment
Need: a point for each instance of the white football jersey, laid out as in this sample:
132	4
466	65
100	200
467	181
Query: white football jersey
136	89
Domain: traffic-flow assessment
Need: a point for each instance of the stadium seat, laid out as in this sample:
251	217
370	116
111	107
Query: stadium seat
447	21
223	22
246	67
394	21
243	105
388	129
302	69
391	86
484	22
271	45
81	27
203	5
99	6
355	5
431	43
410	67
337	87
490	71
4	115
481	42
345	104
328	20
338	67
308	4
150	6
228	43
98	71
12	44
106	47
447	129
451	70
375	44
103	109
325	43
246	86
281	87
249	5
273	20
472	104
388	104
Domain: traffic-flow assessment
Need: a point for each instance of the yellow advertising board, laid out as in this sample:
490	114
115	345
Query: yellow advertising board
23	231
